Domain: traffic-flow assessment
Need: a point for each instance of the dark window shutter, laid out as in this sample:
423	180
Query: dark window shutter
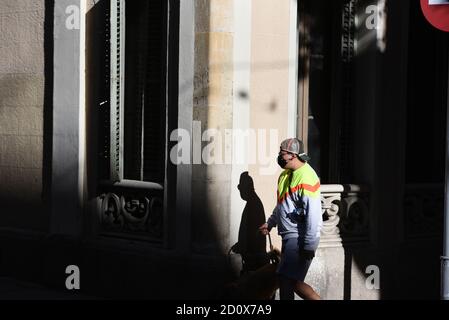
145	100
155	107
132	110
136	55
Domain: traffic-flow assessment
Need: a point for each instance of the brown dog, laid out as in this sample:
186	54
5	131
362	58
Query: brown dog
257	285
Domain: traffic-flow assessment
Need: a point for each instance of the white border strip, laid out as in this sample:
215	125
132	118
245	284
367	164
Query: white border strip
241	105
293	69
82	104
185	115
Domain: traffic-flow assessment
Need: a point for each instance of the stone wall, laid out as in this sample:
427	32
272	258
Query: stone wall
22	84
269	91
212	107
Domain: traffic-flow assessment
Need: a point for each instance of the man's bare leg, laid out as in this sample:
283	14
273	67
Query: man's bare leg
305	291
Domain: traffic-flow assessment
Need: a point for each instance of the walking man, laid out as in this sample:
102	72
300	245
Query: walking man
298	218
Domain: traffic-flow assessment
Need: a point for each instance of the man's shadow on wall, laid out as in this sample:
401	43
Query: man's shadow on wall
251	244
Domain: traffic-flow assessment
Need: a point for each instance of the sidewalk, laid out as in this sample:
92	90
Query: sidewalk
11	289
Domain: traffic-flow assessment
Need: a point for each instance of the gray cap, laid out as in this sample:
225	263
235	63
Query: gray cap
296	146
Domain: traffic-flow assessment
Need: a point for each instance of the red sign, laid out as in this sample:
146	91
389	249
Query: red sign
437	13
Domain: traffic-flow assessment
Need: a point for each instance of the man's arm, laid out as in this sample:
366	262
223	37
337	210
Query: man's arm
271	223
313	222
272	220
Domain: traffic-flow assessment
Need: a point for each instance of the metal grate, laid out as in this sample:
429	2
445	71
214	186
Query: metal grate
347	96
117	36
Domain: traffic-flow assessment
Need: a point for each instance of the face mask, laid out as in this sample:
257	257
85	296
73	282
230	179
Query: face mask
282	162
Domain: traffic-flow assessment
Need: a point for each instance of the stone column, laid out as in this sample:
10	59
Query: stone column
68	118
212	114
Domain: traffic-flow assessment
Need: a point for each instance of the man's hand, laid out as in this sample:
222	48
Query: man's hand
264	229
306	254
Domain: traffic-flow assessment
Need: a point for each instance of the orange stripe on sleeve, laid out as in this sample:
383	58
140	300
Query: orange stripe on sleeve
304	186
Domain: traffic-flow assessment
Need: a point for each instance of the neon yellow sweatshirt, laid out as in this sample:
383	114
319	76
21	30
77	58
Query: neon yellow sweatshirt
298	211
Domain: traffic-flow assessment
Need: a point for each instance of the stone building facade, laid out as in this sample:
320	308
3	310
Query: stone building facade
108	112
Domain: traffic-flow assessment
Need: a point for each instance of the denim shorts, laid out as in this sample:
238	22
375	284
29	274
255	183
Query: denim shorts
292	265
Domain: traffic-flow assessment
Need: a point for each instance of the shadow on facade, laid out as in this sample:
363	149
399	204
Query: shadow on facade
48	104
24	193
190	262
251	245
401	238
406	190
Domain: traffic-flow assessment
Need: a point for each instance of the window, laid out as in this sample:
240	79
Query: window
327	86
133	119
128	99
